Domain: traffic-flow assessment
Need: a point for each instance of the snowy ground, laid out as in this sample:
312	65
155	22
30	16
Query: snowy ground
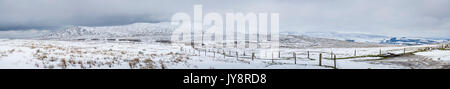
436	54
26	54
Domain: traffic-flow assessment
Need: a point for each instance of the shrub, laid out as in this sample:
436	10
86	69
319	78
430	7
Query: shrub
42	57
63	63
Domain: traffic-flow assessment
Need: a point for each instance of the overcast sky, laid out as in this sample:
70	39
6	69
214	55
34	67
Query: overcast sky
414	18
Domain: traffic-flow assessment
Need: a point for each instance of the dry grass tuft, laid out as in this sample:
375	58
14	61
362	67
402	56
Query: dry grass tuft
178	59
132	63
163	66
12	50
42	57
63	63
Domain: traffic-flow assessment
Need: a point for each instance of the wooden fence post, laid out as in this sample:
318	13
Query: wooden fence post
237	56
272	57
404	50
380	52
224	55
334	62
295	58
279	54
320	59
307	53
331	55
223	52
253	56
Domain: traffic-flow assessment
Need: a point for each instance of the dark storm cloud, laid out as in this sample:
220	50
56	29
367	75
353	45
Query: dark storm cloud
77	12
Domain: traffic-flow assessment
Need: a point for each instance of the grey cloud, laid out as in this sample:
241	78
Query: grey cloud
420	18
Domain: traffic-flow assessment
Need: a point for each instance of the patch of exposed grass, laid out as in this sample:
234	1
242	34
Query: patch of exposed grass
42	57
443	49
178	59
72	61
132	63
149	64
63	63
12	50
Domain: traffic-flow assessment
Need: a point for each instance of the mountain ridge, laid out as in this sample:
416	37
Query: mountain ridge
152	32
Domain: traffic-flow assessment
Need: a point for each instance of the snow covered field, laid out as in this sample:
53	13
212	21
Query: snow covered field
436	54
48	54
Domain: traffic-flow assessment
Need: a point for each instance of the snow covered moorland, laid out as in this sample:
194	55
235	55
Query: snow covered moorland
146	46
50	54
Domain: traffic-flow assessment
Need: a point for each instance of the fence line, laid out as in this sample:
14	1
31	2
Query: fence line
294	54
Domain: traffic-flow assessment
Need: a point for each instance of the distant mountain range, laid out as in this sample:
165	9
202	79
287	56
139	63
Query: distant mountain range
154	32
371	38
161	32
413	41
352	37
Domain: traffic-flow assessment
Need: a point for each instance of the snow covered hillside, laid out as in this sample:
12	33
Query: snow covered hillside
151	32
143	31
